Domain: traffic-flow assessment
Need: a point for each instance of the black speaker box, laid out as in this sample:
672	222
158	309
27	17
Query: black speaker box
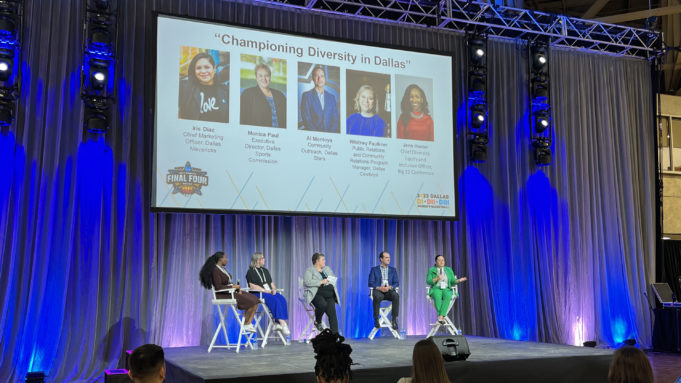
452	347
117	376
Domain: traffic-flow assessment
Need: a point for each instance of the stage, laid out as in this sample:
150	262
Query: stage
387	359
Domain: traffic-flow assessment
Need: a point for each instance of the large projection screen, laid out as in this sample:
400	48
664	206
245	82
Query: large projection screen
258	121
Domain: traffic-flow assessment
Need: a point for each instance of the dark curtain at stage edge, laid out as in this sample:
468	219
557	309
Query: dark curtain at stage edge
672	266
558	254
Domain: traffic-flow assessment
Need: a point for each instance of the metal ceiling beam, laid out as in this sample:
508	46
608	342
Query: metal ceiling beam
624	17
594	9
494	20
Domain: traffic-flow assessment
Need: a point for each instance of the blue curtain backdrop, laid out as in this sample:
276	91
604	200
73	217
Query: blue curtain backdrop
556	254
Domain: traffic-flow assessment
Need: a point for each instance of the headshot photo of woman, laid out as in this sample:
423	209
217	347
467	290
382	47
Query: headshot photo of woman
366	122
202	96
261	105
368	109
415	122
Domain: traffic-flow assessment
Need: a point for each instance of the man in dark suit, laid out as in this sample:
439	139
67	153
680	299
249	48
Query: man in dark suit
318	107
383	279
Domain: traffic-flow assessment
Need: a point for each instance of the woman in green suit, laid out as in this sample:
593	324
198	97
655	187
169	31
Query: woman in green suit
441	279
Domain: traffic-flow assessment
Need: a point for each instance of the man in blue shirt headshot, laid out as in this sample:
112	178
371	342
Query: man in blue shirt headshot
383	279
318	107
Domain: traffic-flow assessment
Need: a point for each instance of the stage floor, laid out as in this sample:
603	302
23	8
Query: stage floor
388	359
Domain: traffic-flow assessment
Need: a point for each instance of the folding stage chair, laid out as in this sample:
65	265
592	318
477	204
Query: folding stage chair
383	320
448	325
306	335
264	315
223	306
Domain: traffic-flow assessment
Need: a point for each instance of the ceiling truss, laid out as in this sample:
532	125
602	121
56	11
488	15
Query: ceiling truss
495	20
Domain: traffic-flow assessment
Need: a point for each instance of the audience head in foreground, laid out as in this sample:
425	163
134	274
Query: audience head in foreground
333	358
630	365
428	364
147	364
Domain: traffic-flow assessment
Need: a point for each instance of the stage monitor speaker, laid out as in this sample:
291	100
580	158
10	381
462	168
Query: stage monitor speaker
663	293
117	376
452	347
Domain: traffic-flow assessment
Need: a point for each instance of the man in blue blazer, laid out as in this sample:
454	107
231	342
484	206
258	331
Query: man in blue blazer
383	279
318	107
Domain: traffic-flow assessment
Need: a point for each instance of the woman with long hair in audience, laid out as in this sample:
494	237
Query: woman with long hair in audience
630	365
333	358
214	274
428	364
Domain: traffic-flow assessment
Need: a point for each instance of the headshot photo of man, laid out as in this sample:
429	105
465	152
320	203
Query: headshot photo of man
318	105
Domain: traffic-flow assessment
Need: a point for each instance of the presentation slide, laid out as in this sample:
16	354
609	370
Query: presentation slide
256	121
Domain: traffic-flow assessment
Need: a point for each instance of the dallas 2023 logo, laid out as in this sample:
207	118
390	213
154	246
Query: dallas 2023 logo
186	179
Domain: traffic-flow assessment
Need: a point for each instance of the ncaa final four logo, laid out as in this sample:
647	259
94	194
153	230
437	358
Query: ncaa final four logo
186	179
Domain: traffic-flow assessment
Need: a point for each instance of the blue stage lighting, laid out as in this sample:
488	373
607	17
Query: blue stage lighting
542	121
478	115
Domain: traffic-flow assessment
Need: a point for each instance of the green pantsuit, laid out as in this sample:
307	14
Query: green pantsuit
441	297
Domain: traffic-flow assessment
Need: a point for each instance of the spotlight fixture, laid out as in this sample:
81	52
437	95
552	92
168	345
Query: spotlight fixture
99	73
478	115
540	113
539	57
478	149
540	89
589	343
99	22
6	67
101	5
630	342
542	152
477	127
96	119
477	50
477	83
542	121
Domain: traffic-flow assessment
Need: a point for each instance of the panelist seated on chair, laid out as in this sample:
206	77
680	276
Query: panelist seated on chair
260	282
214	274
321	292
441	279
384	282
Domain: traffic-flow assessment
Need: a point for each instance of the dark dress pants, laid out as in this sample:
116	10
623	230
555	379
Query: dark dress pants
391	296
325	302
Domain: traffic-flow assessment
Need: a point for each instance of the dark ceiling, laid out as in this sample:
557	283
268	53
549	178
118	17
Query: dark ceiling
669	24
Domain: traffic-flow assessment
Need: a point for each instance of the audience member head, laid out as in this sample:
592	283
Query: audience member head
333	358
206	273
630	365
147	364
429	366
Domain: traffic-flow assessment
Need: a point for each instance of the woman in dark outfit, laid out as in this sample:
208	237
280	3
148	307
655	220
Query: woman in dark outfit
214	274
259	279
320	291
